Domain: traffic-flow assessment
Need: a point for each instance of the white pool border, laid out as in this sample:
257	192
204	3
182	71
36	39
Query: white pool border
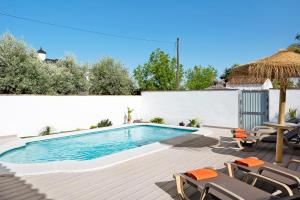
69	166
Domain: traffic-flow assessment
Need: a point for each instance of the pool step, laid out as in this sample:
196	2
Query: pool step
8	138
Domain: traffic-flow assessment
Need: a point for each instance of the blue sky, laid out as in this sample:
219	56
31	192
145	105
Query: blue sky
216	32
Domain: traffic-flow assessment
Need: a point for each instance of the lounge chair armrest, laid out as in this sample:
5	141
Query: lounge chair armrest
219	189
279	172
295	161
256	128
281	186
265	132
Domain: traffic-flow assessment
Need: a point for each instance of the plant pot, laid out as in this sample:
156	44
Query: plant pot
181	124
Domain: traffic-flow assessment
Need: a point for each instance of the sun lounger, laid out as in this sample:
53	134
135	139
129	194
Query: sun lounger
226	187
256	131
250	140
290	138
284	175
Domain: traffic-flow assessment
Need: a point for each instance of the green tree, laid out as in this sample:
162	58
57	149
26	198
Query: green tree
67	77
298	83
227	71
200	77
158	73
109	77
20	69
290	84
296	46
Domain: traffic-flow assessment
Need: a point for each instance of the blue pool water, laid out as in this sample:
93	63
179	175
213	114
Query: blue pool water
91	145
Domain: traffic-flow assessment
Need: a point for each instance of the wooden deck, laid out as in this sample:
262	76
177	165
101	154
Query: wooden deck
148	177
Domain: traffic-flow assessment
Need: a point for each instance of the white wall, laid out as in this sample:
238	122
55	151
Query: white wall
212	107
292	101
27	115
265	86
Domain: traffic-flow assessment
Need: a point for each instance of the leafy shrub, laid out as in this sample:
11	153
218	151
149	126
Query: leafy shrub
193	123
104	123
93	126
157	120
292	113
46	131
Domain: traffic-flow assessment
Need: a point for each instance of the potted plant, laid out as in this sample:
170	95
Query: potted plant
157	120
47	130
292	113
129	115
104	123
194	123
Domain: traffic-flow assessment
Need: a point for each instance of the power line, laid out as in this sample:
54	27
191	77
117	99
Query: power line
82	29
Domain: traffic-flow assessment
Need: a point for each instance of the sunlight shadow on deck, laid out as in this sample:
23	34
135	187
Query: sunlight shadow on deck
227	146
13	187
170	188
191	141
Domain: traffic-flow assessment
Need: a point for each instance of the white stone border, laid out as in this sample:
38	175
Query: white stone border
69	166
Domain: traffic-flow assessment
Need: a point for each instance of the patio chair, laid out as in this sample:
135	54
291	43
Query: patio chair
223	186
281	174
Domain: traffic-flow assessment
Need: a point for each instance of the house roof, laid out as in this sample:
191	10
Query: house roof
41	50
49	60
246	80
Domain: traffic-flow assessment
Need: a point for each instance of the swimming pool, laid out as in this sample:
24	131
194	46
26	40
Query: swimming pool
89	146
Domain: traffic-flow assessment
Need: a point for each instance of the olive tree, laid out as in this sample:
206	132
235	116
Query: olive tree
67	77
109	77
21	72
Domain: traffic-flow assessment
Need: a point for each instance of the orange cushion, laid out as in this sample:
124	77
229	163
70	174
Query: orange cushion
249	162
239	130
201	174
240	135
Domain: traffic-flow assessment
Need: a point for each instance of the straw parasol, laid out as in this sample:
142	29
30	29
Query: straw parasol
280	66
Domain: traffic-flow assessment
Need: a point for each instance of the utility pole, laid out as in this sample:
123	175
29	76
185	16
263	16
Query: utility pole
177	64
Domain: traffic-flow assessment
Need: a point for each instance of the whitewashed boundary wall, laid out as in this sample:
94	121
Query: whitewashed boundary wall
212	107
27	115
292	101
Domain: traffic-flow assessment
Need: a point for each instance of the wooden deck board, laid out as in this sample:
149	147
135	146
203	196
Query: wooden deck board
148	177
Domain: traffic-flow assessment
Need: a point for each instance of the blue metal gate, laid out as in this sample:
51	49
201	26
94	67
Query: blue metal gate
254	108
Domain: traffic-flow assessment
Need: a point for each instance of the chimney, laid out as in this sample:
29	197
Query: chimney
41	54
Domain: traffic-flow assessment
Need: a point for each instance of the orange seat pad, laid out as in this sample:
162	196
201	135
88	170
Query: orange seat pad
249	162
201	174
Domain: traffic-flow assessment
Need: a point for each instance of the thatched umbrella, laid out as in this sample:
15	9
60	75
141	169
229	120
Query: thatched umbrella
280	66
